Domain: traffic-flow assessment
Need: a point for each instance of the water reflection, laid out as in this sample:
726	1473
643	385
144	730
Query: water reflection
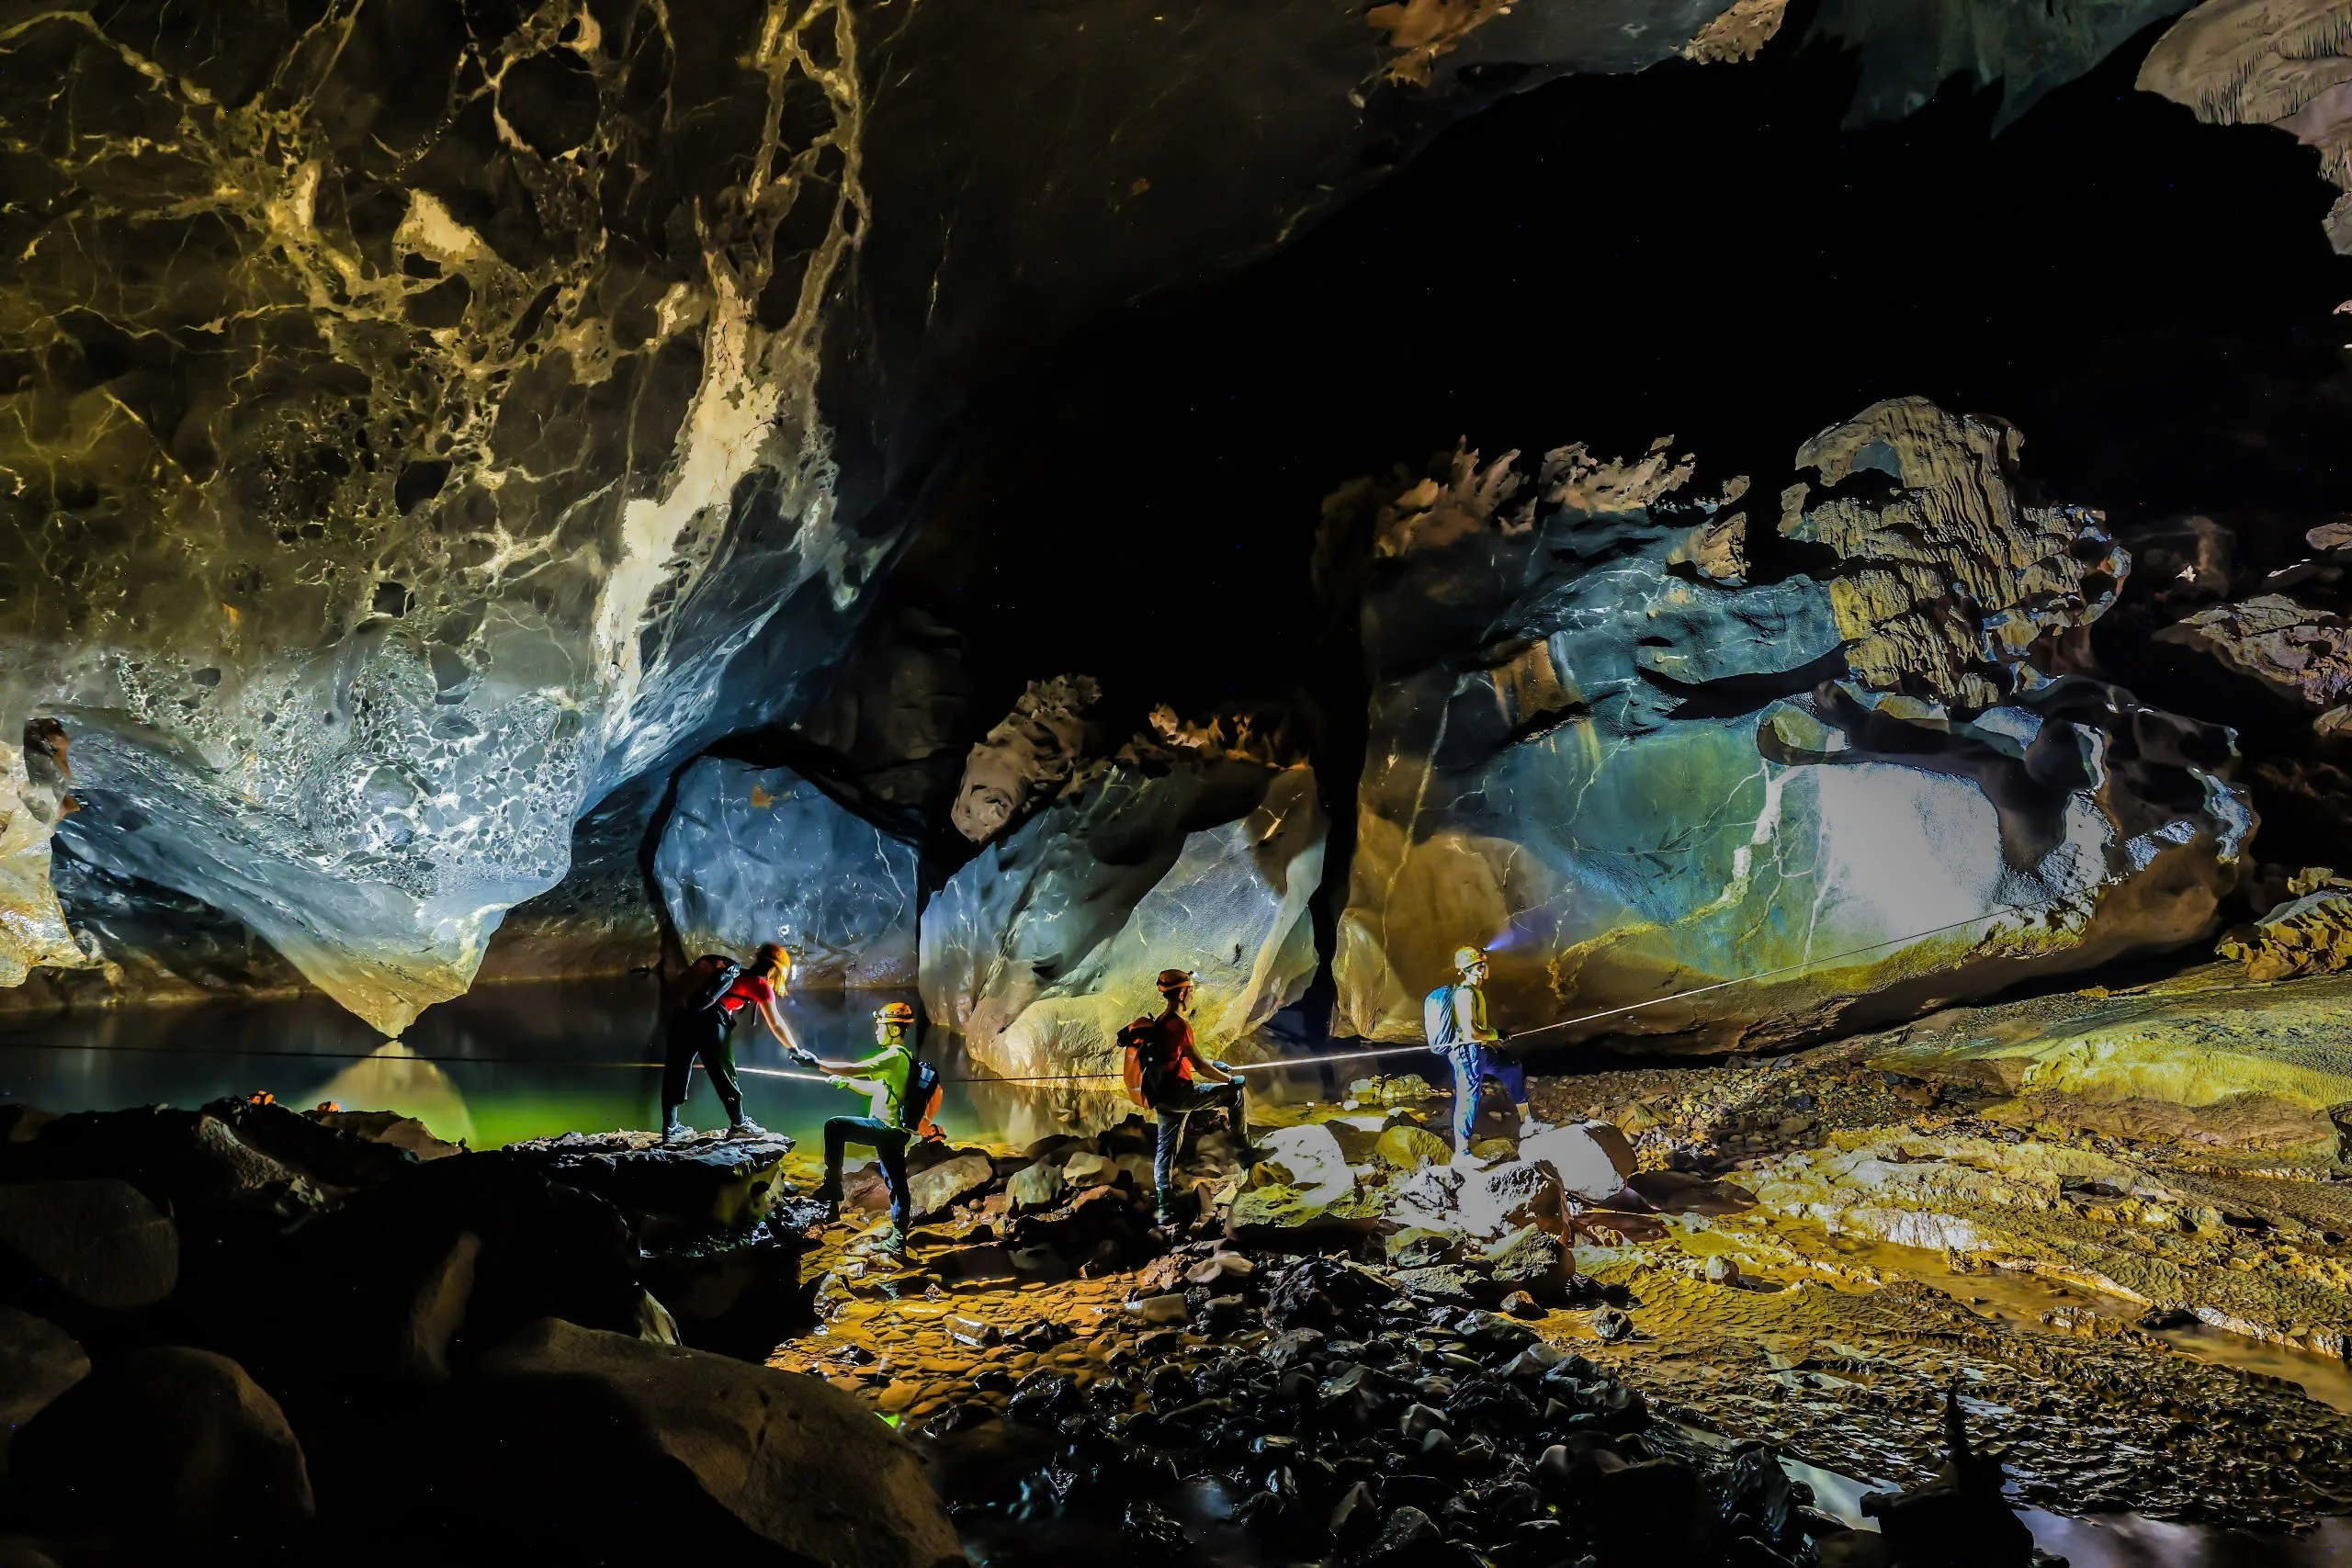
395	1078
501	1062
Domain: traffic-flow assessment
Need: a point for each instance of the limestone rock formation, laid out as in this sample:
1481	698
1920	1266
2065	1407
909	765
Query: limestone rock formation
34	779
2280	63
2302	653
1597	751
890	729
1028	756
414	414
39	1361
1043	944
600	920
168	1453
759	854
2309	934
2211	1058
431	488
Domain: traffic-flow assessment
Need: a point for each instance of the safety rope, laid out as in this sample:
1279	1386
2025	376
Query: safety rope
1281	1064
1286	1063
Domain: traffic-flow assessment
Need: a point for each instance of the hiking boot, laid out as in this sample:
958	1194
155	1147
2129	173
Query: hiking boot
747	1128
831	1197
675	1131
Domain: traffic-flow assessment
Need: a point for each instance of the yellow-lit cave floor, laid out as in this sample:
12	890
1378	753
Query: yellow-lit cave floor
2121	1224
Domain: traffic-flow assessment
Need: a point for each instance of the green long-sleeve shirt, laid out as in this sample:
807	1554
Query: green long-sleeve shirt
888	1070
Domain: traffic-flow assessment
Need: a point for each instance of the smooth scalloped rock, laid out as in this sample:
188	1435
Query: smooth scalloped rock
1042	945
597	1441
759	854
1632	779
1592	1159
33	781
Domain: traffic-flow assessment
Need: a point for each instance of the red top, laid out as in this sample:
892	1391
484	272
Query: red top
1165	1048
748	987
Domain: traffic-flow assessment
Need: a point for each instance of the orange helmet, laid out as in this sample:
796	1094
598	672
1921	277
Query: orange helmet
894	1012
1173	980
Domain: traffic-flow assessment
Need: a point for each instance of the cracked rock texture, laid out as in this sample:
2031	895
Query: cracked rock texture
1043	944
412	420
761	854
1598	749
2298	651
1030	754
413	423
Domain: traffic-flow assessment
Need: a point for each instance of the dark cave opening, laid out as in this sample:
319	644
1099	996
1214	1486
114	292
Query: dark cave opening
1698	251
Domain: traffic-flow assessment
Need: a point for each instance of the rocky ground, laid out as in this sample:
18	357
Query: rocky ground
2126	1274
2016	1242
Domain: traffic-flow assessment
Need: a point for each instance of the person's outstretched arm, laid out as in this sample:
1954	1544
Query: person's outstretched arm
1203	1067
851	1068
782	1030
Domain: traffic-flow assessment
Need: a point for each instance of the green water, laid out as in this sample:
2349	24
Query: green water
504	1062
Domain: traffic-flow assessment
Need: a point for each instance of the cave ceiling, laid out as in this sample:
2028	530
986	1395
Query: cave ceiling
424	418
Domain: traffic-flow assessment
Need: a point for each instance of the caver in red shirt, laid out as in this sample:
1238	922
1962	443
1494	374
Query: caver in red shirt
748	987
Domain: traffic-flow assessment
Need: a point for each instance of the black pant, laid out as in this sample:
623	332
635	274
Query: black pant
889	1146
703	1034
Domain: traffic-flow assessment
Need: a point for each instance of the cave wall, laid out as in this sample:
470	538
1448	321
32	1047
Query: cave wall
435	425
1600	749
430	416
1037	950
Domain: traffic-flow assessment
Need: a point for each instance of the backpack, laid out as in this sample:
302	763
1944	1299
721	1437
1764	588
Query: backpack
1133	1038
1439	1023
718	975
924	1092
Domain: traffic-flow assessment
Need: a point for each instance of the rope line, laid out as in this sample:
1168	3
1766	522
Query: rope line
1282	1064
1287	1062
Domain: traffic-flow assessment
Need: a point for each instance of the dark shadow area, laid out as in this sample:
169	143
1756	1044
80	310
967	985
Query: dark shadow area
1705	252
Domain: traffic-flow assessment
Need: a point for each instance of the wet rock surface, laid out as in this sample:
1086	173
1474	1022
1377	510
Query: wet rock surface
601	1443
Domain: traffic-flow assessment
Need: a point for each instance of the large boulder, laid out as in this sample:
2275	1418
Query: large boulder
932	1189
587	1442
163	1454
1869	785
668	1191
759	854
97	1243
1592	1159
1043	944
39	1361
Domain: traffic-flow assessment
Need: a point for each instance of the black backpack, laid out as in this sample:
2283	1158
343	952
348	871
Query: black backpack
719	973
923	1089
